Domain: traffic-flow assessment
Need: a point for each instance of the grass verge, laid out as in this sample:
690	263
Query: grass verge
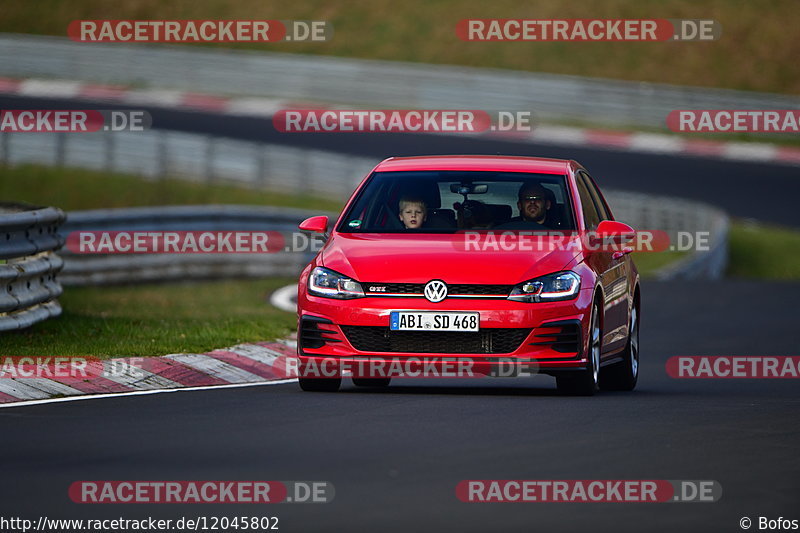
73	189
648	263
156	319
764	252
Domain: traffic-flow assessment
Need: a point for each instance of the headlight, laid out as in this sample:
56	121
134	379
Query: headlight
549	288
329	284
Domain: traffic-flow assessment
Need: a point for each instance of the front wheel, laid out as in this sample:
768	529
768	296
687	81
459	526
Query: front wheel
585	382
623	376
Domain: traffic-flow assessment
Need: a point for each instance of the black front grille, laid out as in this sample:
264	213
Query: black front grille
401	288
455	289
380	339
479	289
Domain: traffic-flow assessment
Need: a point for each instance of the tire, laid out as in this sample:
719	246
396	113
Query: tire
585	382
372	382
623	376
320	384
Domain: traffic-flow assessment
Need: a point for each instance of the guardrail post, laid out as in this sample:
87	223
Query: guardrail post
262	165
108	152
61	149
5	144
163	156
210	154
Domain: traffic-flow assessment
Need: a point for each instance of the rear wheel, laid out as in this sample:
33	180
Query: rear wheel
372	382
585	382
624	375
320	384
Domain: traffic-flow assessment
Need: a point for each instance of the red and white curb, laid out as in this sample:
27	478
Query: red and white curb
38	88
259	363
267	107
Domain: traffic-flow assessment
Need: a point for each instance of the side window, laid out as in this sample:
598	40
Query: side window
599	204
590	217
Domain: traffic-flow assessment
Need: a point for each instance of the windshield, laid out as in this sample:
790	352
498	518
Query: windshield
449	201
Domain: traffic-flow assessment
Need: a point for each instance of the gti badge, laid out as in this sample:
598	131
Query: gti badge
435	290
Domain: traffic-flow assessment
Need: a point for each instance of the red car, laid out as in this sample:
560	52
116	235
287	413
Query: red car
490	259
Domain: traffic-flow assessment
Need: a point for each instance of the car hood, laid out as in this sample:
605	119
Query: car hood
420	258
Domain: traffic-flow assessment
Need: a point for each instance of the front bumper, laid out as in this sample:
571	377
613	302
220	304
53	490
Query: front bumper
545	337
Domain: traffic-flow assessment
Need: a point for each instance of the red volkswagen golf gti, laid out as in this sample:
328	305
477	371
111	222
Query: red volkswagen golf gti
491	259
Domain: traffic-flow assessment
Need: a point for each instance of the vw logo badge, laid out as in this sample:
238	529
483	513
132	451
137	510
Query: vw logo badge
435	290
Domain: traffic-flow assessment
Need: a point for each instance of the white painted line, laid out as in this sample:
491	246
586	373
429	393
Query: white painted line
216	368
749	151
154	97
142	392
654	142
254	106
558	134
139	378
285	298
49	88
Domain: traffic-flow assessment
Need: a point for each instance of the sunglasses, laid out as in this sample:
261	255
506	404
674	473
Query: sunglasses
531	199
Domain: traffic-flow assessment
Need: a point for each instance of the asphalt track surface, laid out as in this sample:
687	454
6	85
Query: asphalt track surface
766	192
395	456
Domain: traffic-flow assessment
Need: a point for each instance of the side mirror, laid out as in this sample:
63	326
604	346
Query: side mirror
613	236
318	224
614	229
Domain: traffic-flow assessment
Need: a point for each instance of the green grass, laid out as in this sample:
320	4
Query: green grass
73	189
648	263
758	49
158	319
764	252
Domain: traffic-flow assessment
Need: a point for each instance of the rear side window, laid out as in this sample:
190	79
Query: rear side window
599	203
590	216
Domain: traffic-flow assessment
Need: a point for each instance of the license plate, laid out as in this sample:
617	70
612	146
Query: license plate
433	321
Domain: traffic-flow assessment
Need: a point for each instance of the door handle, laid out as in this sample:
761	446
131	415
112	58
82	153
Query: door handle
620	254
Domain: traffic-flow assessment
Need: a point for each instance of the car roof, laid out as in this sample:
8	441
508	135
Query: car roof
477	162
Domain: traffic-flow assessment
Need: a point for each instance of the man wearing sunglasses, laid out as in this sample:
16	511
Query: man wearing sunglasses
533	204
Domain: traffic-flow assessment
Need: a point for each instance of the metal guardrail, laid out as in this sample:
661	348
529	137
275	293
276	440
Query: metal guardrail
203	158
102	269
368	83
28	264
